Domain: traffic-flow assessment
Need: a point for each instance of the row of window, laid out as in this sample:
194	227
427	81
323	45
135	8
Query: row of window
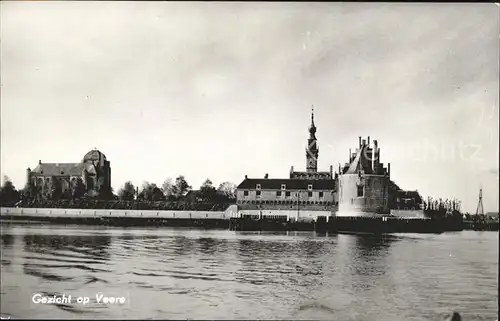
283	187
280	193
285	202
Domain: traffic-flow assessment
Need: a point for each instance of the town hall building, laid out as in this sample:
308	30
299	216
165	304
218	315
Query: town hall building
310	190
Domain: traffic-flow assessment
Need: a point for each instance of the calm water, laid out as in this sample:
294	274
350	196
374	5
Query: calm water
181	273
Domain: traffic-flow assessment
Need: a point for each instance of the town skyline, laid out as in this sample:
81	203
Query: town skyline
168	89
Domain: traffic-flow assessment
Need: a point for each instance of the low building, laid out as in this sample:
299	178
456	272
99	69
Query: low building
363	185
94	171
285	193
407	204
408	200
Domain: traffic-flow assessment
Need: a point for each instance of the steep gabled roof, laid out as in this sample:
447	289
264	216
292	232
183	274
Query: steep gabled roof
59	169
291	184
355	165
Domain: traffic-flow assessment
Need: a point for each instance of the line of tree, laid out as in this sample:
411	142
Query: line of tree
9	196
177	190
170	191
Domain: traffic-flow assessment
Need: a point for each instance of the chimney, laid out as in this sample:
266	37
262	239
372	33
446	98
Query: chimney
389	169
350	155
291	169
246	176
363	142
368	140
331	171
39	162
266	176
359	142
375	143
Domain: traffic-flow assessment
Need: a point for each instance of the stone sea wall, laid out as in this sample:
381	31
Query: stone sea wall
91	213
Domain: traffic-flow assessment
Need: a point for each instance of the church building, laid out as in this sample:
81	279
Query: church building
94	170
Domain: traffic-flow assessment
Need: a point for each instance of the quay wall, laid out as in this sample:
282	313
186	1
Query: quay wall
91	213
302	215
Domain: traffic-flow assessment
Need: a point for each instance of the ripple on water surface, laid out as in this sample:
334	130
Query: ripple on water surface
182	273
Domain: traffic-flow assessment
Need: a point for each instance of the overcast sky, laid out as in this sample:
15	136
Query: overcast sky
224	90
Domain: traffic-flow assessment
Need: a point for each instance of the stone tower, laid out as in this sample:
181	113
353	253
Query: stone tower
312	150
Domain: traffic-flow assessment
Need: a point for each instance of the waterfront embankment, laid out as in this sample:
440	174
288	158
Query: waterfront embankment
208	219
235	219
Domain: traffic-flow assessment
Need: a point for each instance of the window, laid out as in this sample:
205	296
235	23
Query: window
360	191
287	193
245	193
258	186
283	187
278	193
320	194
310	194
309	187
257	193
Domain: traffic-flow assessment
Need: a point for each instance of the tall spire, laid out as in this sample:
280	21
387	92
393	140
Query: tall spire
312	147
312	128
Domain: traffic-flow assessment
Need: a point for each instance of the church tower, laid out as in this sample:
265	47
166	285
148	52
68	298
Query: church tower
312	148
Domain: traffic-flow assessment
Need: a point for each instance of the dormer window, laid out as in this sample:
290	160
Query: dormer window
283	186
309	187
258	186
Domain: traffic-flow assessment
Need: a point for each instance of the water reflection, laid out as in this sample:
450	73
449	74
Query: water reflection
183	245
61	257
261	248
207	245
7	240
179	274
93	246
312	248
364	258
373	245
